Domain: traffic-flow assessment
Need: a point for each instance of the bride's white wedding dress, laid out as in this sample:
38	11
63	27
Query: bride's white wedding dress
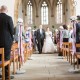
48	46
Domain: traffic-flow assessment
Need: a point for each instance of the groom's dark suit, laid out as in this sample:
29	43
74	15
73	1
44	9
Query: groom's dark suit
40	36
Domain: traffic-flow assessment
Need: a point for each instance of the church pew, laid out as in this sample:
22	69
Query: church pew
3	64
14	56
77	55
28	51
72	55
65	49
25	52
68	52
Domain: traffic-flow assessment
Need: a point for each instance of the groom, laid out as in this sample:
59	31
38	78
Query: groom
40	36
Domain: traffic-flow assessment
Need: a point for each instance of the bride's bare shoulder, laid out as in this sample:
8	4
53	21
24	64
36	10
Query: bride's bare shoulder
48	32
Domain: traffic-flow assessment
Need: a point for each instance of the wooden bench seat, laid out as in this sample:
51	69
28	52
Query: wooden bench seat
25	52
76	55
3	64
14	56
65	49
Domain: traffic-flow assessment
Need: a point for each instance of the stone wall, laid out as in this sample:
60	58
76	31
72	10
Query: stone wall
17	8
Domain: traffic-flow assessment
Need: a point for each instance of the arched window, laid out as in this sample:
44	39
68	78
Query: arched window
44	13
59	11
29	12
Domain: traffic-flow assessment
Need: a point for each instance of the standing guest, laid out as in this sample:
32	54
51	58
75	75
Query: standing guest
73	23
6	34
70	34
0	10
54	37
76	26
28	37
40	36
19	38
34	39
16	35
65	33
60	39
76	34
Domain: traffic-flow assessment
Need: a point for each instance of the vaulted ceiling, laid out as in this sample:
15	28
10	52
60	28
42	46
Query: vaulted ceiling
37	4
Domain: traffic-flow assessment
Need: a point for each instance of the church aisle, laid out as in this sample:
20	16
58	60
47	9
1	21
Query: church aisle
47	67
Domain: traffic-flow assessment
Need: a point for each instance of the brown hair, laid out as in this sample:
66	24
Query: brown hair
78	17
65	26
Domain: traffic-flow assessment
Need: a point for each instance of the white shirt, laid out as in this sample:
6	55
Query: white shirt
40	31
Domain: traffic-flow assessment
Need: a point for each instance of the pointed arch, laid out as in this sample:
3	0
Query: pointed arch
44	13
59	10
32	1
41	1
29	12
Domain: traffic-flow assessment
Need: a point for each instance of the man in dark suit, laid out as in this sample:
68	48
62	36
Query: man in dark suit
78	35
40	36
0	9
6	35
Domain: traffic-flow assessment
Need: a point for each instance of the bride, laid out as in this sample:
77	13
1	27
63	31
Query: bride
48	46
